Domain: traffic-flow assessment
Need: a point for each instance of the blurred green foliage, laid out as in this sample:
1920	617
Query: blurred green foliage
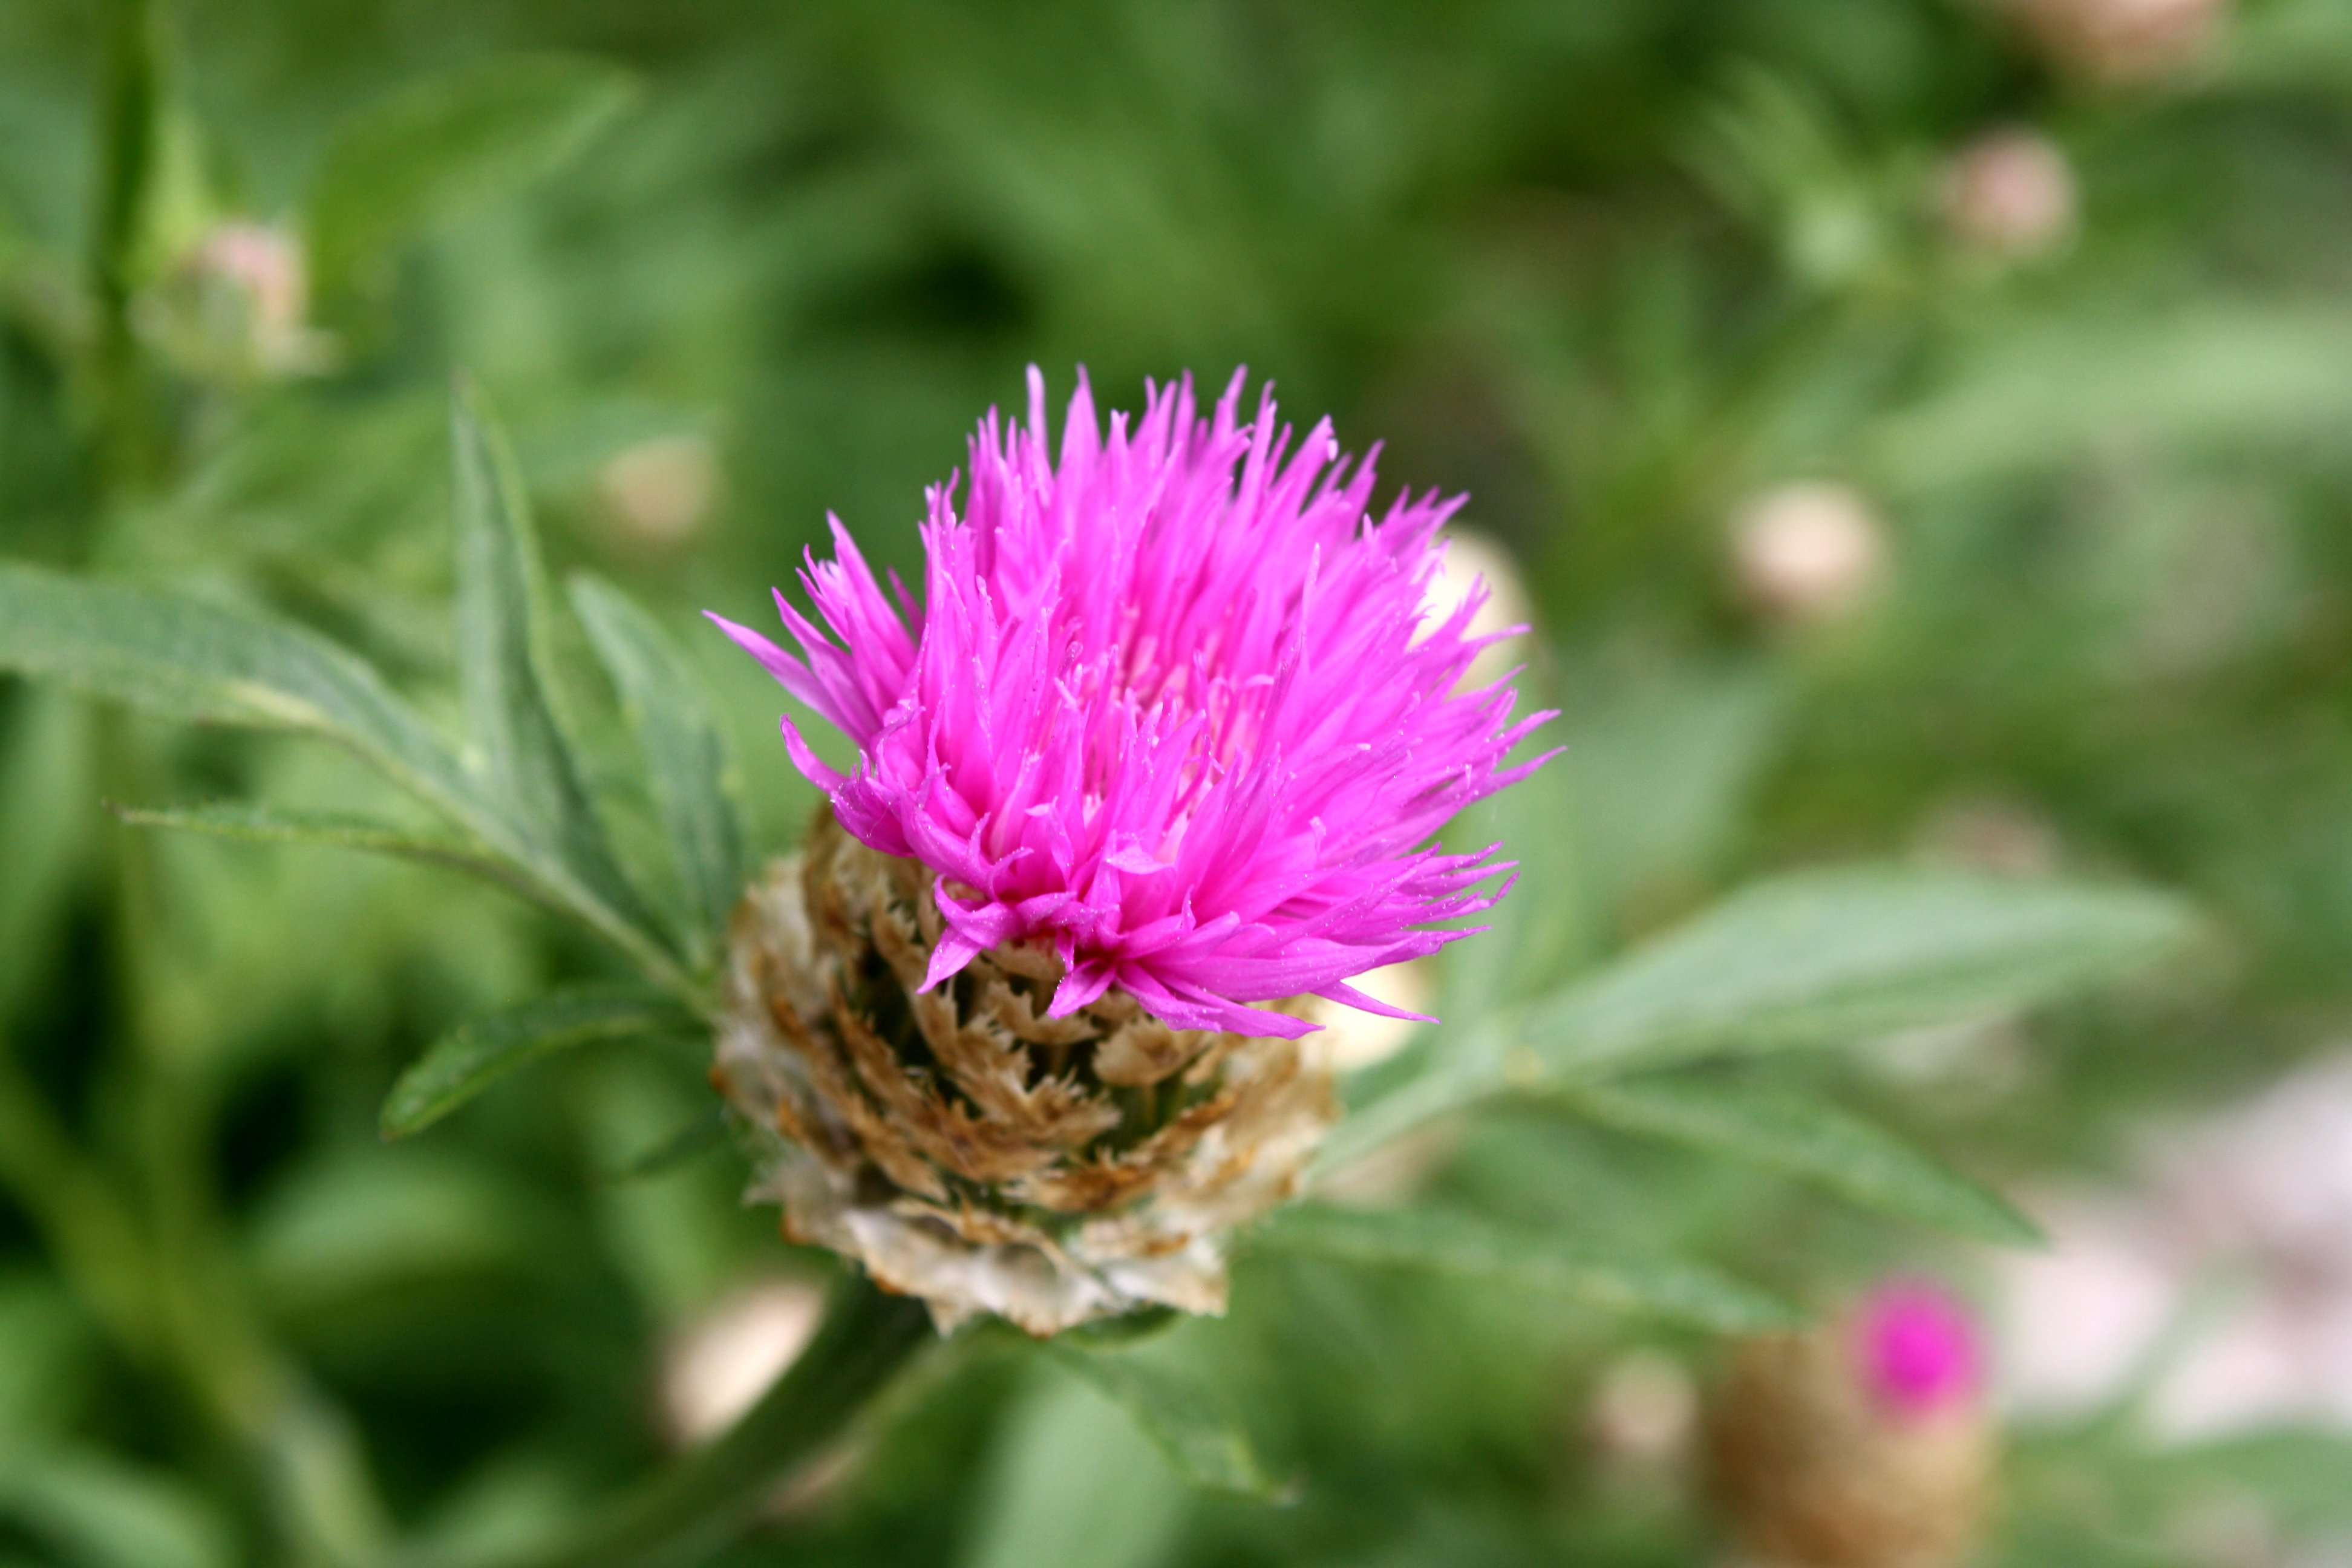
1612	268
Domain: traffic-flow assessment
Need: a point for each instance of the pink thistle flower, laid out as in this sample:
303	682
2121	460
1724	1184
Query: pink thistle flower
1919	1349
1170	705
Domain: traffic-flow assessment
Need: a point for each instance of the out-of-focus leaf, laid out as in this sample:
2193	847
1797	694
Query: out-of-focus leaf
338	1229
502	662
449	142
2300	1478
97	1511
44	821
1187	1420
1514	1257
1812	1142
1831	955
41	1355
699	1136
1656	782
686	760
1074	1480
2037	392
474	1056
1805	959
1536	933
274	825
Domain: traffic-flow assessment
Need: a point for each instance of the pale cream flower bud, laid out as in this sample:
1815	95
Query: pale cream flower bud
659	493
236	306
1645	1412
720	1363
1808	551
2009	193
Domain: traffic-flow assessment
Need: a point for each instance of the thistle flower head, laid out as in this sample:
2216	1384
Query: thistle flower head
1150	771
1169	706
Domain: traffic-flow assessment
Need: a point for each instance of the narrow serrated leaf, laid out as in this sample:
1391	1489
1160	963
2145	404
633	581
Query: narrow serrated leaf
274	825
475	1054
195	661
1518	1257
435	146
188	659
1810	1141
1187	1418
526	758
686	761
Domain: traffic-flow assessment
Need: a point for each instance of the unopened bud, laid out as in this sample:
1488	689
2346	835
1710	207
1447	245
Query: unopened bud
2009	193
1860	1443
658	493
724	1359
1644	1410
251	300
1808	553
2120	42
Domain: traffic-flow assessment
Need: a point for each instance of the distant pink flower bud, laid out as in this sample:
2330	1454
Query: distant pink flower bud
1808	553
2009	193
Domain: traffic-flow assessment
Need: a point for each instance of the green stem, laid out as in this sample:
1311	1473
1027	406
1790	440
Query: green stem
93	1237
707	1498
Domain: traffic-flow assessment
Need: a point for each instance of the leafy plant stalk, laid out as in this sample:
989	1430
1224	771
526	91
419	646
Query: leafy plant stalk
680	1515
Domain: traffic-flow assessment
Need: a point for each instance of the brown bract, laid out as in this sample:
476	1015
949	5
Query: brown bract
1810	1473
969	1150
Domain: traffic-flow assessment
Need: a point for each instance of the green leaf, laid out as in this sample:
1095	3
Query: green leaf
1812	1142
474	1056
273	825
1840	955
96	1511
1516	1258
2301	1478
187	660
502	662
685	759
1071	1479
700	1134
1811	958
434	147
1189	1420
2036	393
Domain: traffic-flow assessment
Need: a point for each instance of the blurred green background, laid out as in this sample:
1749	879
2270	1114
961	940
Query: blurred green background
2045	309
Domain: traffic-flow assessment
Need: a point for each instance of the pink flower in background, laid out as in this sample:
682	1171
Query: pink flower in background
1919	1349
1170	704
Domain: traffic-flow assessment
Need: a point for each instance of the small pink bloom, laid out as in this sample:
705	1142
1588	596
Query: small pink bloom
1169	703
1919	1349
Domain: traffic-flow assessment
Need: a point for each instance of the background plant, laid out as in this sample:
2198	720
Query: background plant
1612	269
